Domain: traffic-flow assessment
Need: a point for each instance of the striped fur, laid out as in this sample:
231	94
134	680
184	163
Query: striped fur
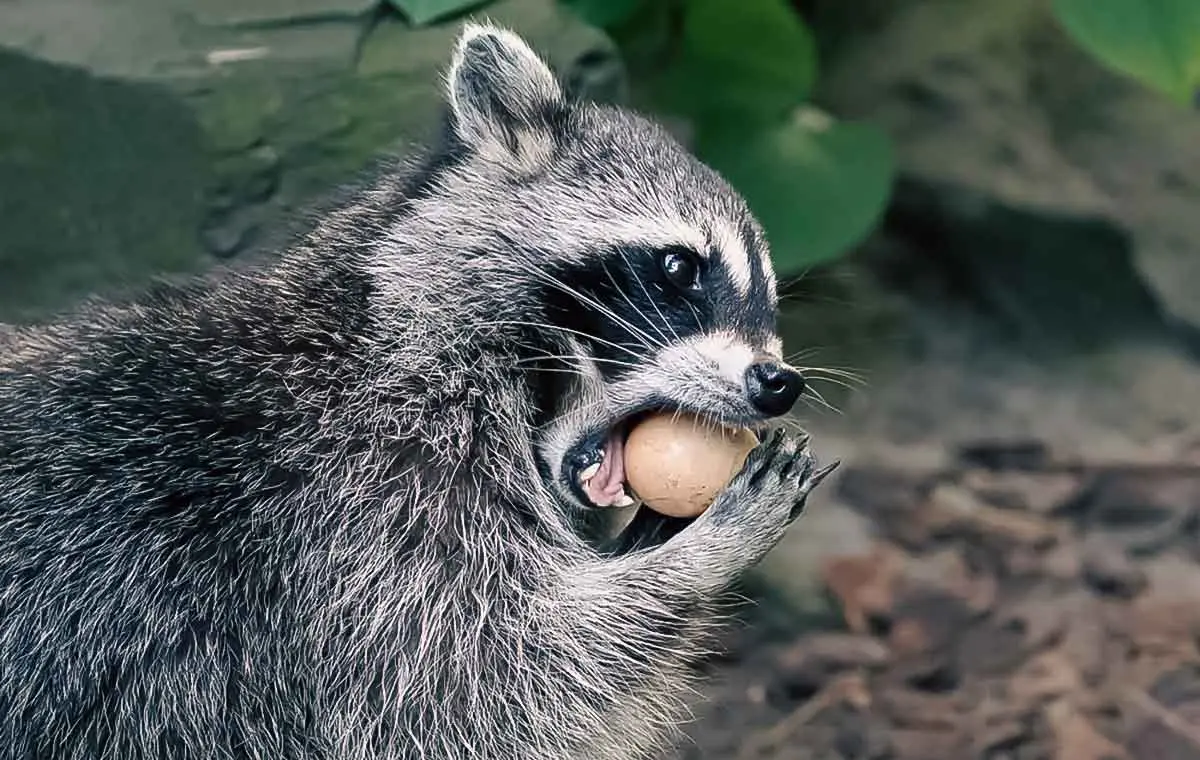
311	506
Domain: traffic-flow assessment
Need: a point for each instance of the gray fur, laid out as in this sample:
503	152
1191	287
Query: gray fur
298	508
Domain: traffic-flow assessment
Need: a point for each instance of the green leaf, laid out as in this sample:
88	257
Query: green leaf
424	12
605	13
817	186
754	58
1155	41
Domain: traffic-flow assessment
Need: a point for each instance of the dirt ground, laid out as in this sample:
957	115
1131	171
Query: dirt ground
1019	603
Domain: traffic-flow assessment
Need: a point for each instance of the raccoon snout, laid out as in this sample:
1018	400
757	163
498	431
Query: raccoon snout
773	388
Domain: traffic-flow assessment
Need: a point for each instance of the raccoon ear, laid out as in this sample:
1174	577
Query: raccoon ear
502	96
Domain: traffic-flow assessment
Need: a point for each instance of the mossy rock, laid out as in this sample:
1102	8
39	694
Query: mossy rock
103	185
146	137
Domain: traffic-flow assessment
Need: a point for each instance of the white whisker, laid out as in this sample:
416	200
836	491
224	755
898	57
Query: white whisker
647	340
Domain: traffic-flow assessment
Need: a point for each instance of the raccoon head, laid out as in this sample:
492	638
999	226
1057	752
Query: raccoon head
642	279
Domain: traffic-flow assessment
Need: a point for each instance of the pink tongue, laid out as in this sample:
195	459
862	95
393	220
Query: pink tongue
606	487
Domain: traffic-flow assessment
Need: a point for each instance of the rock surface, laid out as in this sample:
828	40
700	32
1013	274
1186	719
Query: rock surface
1008	108
1022	284
191	127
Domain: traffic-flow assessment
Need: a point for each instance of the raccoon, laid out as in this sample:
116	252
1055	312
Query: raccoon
357	500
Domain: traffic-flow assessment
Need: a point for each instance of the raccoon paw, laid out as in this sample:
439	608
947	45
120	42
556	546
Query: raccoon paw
773	484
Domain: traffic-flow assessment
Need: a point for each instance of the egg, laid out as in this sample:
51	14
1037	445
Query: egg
678	463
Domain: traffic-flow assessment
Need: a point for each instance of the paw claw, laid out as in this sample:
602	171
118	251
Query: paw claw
816	478
774	483
786	470
763	457
776	439
810	481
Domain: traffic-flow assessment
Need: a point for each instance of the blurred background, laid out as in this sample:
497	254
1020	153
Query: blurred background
987	217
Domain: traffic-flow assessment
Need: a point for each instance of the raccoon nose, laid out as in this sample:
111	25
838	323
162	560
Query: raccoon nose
773	389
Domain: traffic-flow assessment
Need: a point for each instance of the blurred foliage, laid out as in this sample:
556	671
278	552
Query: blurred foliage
815	185
740	76
1154	41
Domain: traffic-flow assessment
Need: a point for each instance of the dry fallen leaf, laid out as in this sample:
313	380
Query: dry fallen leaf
1076	739
947	571
1048	675
1042	493
954	508
864	584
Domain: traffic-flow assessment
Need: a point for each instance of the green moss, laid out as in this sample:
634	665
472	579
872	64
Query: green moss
103	185
118	181
234	113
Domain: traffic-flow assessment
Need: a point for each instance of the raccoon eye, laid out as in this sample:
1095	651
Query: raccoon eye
681	268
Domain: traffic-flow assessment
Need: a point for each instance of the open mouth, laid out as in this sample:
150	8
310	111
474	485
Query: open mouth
594	471
596	468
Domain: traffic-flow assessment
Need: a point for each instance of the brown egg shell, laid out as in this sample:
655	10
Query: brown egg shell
677	463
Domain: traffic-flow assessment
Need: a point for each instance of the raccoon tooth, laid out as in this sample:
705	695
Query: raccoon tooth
589	472
624	500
